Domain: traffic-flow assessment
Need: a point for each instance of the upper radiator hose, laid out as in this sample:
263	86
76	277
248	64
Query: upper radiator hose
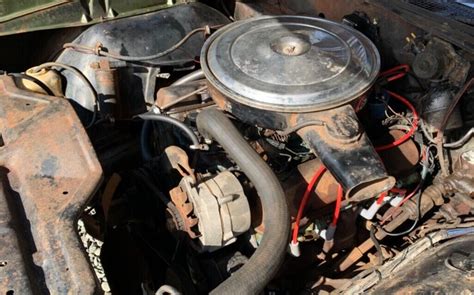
265	262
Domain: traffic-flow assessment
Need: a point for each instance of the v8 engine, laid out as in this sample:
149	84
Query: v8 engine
251	147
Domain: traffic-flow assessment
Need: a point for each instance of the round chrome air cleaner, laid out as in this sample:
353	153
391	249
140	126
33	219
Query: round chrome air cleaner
290	63
301	74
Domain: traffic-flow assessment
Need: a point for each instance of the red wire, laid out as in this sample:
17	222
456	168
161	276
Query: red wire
397	142
409	196
394	70
405	137
304	201
409	133
396	77
381	197
337	209
360	104
397	190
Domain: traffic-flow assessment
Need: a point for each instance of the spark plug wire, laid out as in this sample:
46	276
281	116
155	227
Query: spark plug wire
381	197
395	73
304	201
389	75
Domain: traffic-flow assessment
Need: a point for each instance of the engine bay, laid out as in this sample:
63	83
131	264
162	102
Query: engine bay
257	147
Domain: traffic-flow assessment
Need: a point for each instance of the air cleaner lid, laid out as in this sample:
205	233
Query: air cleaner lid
290	63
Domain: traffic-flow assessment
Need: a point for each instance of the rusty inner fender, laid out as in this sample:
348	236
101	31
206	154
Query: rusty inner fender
52	170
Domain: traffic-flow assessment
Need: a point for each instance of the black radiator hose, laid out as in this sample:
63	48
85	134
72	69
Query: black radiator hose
267	259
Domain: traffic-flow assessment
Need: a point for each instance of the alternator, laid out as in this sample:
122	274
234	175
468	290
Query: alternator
214	212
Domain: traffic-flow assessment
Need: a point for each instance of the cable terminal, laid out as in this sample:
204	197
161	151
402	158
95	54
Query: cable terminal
295	249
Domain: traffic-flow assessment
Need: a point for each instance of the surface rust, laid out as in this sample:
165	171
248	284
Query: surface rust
323	194
178	159
169	94
401	160
52	170
462	179
187	220
343	138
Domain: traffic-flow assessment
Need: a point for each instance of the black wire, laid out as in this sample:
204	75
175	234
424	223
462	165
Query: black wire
301	125
180	125
226	10
50	92
418	216
94	118
376	244
98	50
418	197
34	80
79	75
141	175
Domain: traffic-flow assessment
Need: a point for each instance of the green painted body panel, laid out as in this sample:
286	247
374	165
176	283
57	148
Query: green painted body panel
17	16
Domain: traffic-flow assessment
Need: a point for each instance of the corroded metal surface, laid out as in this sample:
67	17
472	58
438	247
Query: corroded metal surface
346	151
51	171
462	179
325	188
178	159
187	220
443	269
402	159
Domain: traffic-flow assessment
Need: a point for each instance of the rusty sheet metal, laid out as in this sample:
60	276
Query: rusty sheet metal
443	269
175	94
51	171
401	160
346	151
324	193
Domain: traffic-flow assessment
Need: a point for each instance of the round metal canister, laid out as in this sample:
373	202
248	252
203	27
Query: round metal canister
290	63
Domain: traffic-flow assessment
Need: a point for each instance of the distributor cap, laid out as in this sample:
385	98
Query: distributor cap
290	63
